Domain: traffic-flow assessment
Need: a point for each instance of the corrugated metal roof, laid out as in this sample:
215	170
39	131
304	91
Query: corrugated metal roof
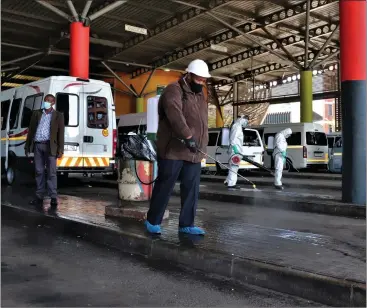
29	23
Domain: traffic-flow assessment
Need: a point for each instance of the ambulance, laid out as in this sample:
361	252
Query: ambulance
90	125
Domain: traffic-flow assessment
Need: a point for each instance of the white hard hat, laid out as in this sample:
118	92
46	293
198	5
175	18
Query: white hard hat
199	68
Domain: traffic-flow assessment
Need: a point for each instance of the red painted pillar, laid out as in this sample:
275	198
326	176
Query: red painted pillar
353	99
79	50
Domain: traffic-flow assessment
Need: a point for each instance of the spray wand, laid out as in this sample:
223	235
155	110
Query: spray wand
246	179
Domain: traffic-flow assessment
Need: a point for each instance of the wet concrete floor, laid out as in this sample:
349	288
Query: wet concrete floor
328	245
42	269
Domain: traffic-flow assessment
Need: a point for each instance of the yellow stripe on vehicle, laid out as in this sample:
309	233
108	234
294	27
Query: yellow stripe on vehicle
83	162
317	160
96	161
290	147
66	161
15	138
295	147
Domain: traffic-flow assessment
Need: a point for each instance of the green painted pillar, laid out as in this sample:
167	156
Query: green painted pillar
139	104
306	96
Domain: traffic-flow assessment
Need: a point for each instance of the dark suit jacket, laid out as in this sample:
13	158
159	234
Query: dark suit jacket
56	134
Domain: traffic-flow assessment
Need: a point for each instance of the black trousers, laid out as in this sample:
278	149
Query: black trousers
168	173
43	158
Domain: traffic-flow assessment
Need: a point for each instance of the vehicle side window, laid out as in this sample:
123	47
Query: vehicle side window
213	137
337	139
220	139
250	138
316	138
37	102
97	112
31	103
330	142
68	104
5	105
295	139
14	113
339	144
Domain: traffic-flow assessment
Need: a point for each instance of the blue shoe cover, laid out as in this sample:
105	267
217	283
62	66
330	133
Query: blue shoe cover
192	230
154	229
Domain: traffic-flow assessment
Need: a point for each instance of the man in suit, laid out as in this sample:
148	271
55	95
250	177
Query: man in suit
46	140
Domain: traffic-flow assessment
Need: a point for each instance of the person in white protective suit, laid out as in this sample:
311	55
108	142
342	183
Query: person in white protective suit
279	155
236	147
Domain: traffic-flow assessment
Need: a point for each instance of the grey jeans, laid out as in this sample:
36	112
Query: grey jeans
44	161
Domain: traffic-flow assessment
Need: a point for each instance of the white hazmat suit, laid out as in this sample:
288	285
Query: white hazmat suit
236	147
280	154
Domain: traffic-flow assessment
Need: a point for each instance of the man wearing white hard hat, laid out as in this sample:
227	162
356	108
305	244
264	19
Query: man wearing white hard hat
182	130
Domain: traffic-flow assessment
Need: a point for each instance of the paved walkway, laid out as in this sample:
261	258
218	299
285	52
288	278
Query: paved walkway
326	245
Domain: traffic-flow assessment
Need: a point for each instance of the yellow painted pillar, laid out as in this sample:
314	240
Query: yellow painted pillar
139	104
218	119
306	96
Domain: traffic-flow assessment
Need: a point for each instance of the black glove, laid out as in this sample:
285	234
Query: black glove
191	144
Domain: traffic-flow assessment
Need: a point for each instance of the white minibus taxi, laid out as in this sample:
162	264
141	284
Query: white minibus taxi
336	157
90	124
252	146
333	138
307	146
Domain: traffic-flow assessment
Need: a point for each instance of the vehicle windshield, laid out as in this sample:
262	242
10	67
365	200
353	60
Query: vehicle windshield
250	138
316	138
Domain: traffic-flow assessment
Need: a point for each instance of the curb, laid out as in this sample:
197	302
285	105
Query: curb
318	288
318	206
295	175
260	183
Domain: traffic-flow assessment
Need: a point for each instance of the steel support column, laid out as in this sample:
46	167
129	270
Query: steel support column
353	98
139	104
235	100
306	96
219	121
79	50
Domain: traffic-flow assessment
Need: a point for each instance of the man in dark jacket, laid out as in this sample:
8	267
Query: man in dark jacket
46	140
182	129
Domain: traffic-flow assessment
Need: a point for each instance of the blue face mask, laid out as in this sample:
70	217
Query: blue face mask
46	105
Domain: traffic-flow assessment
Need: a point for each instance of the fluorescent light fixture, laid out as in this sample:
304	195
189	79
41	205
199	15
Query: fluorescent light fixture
218	48
134	29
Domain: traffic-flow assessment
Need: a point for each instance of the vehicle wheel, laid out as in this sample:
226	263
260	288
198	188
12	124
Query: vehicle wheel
10	176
